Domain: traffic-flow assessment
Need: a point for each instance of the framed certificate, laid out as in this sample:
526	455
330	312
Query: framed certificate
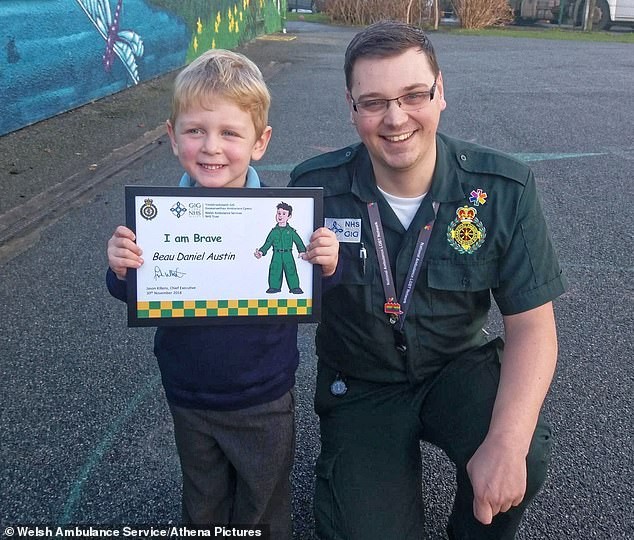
226	255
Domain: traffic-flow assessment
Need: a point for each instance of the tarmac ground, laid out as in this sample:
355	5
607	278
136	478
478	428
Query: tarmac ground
86	434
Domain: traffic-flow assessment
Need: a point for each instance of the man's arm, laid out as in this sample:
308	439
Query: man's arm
497	470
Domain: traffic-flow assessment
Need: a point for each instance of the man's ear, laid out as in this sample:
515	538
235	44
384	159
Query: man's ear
349	100
261	143
440	90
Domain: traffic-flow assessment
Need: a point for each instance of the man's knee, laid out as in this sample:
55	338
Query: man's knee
538	459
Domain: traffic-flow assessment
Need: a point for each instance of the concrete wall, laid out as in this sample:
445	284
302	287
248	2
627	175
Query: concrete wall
60	54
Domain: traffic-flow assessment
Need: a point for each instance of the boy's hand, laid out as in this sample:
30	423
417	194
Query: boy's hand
258	254
123	253
323	249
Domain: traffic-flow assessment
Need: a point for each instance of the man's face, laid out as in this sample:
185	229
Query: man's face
398	141
282	216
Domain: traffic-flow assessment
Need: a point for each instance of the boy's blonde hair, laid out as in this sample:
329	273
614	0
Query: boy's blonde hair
225	74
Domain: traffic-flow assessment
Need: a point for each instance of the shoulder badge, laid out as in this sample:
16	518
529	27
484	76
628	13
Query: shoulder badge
466	233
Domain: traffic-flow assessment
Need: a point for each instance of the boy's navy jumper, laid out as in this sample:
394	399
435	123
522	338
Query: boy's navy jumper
225	367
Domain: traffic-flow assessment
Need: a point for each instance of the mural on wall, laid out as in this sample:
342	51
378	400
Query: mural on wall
60	54
126	44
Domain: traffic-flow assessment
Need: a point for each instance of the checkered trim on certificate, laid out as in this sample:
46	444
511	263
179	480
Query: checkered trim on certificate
223	308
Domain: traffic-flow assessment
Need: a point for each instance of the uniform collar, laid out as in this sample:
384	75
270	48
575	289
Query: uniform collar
253	180
363	180
445	185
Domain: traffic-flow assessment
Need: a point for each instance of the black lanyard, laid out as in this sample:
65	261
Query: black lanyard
397	310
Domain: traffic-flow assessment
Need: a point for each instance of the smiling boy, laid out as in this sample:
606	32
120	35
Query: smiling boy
229	388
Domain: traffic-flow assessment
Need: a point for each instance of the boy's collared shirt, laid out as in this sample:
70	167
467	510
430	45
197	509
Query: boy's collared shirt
253	180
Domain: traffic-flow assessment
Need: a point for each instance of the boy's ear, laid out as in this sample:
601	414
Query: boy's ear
261	143
170	132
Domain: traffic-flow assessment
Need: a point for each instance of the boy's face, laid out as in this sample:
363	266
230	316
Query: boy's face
282	216
216	145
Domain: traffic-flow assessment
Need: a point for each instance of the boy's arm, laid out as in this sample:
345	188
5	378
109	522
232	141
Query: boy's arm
323	249
116	287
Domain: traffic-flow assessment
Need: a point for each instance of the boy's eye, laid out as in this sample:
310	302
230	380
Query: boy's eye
229	133
195	131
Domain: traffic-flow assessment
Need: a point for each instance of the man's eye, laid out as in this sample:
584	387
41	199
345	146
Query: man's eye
373	104
414	98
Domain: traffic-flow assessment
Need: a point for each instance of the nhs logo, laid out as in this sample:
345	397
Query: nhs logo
346	229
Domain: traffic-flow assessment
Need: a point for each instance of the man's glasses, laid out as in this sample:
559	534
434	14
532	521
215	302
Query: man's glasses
408	102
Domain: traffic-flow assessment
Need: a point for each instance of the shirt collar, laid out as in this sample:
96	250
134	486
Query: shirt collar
445	186
253	180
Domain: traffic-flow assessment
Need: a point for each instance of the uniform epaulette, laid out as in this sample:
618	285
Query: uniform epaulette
483	160
475	158
326	161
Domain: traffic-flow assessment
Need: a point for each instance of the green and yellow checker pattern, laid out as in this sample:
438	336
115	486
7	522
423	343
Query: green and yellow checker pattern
168	309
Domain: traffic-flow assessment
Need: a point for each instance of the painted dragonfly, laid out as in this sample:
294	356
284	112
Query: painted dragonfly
126	44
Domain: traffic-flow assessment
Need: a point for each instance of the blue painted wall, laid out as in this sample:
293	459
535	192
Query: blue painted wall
52	53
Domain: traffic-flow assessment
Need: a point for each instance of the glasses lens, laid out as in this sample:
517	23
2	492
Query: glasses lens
410	102
372	106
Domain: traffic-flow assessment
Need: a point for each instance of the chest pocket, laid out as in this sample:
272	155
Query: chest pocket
355	290
461	289
469	276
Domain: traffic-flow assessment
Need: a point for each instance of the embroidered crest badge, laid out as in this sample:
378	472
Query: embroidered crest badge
466	233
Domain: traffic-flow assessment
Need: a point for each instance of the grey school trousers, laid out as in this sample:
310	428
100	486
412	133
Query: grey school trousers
369	470
236	465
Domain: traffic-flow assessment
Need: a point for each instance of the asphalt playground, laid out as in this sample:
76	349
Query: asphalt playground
85	434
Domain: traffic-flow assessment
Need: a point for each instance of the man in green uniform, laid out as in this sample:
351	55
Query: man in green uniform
281	239
429	228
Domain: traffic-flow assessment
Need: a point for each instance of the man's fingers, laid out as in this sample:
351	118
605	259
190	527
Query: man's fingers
483	512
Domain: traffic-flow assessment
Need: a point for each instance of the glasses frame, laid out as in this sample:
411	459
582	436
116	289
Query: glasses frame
431	92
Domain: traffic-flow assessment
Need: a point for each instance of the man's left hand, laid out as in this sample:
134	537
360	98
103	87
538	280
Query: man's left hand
498	476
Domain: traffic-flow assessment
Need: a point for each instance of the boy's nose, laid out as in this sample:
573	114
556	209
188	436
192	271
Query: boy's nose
211	145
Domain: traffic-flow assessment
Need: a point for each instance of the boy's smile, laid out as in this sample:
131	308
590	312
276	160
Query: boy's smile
216	144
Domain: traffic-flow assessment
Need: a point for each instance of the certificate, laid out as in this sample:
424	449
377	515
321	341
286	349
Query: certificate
225	255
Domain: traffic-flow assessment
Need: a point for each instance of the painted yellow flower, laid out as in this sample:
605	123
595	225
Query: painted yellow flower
213	43
218	18
241	16
195	43
199	26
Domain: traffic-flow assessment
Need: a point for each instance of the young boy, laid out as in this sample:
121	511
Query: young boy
229	388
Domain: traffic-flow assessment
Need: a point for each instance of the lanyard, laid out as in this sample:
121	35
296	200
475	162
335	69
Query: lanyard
397	310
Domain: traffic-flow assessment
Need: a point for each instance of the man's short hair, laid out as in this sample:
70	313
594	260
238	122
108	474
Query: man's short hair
285	206
384	39
225	74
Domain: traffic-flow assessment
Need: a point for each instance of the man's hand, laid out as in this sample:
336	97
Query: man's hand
323	249
498	477
123	253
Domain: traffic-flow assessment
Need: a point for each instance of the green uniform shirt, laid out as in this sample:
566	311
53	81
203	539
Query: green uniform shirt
502	248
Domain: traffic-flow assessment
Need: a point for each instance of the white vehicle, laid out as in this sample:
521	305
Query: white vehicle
606	13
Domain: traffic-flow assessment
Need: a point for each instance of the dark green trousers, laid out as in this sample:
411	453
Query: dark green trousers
369	470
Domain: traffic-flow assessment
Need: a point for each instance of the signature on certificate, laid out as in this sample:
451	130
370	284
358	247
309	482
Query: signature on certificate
167	273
